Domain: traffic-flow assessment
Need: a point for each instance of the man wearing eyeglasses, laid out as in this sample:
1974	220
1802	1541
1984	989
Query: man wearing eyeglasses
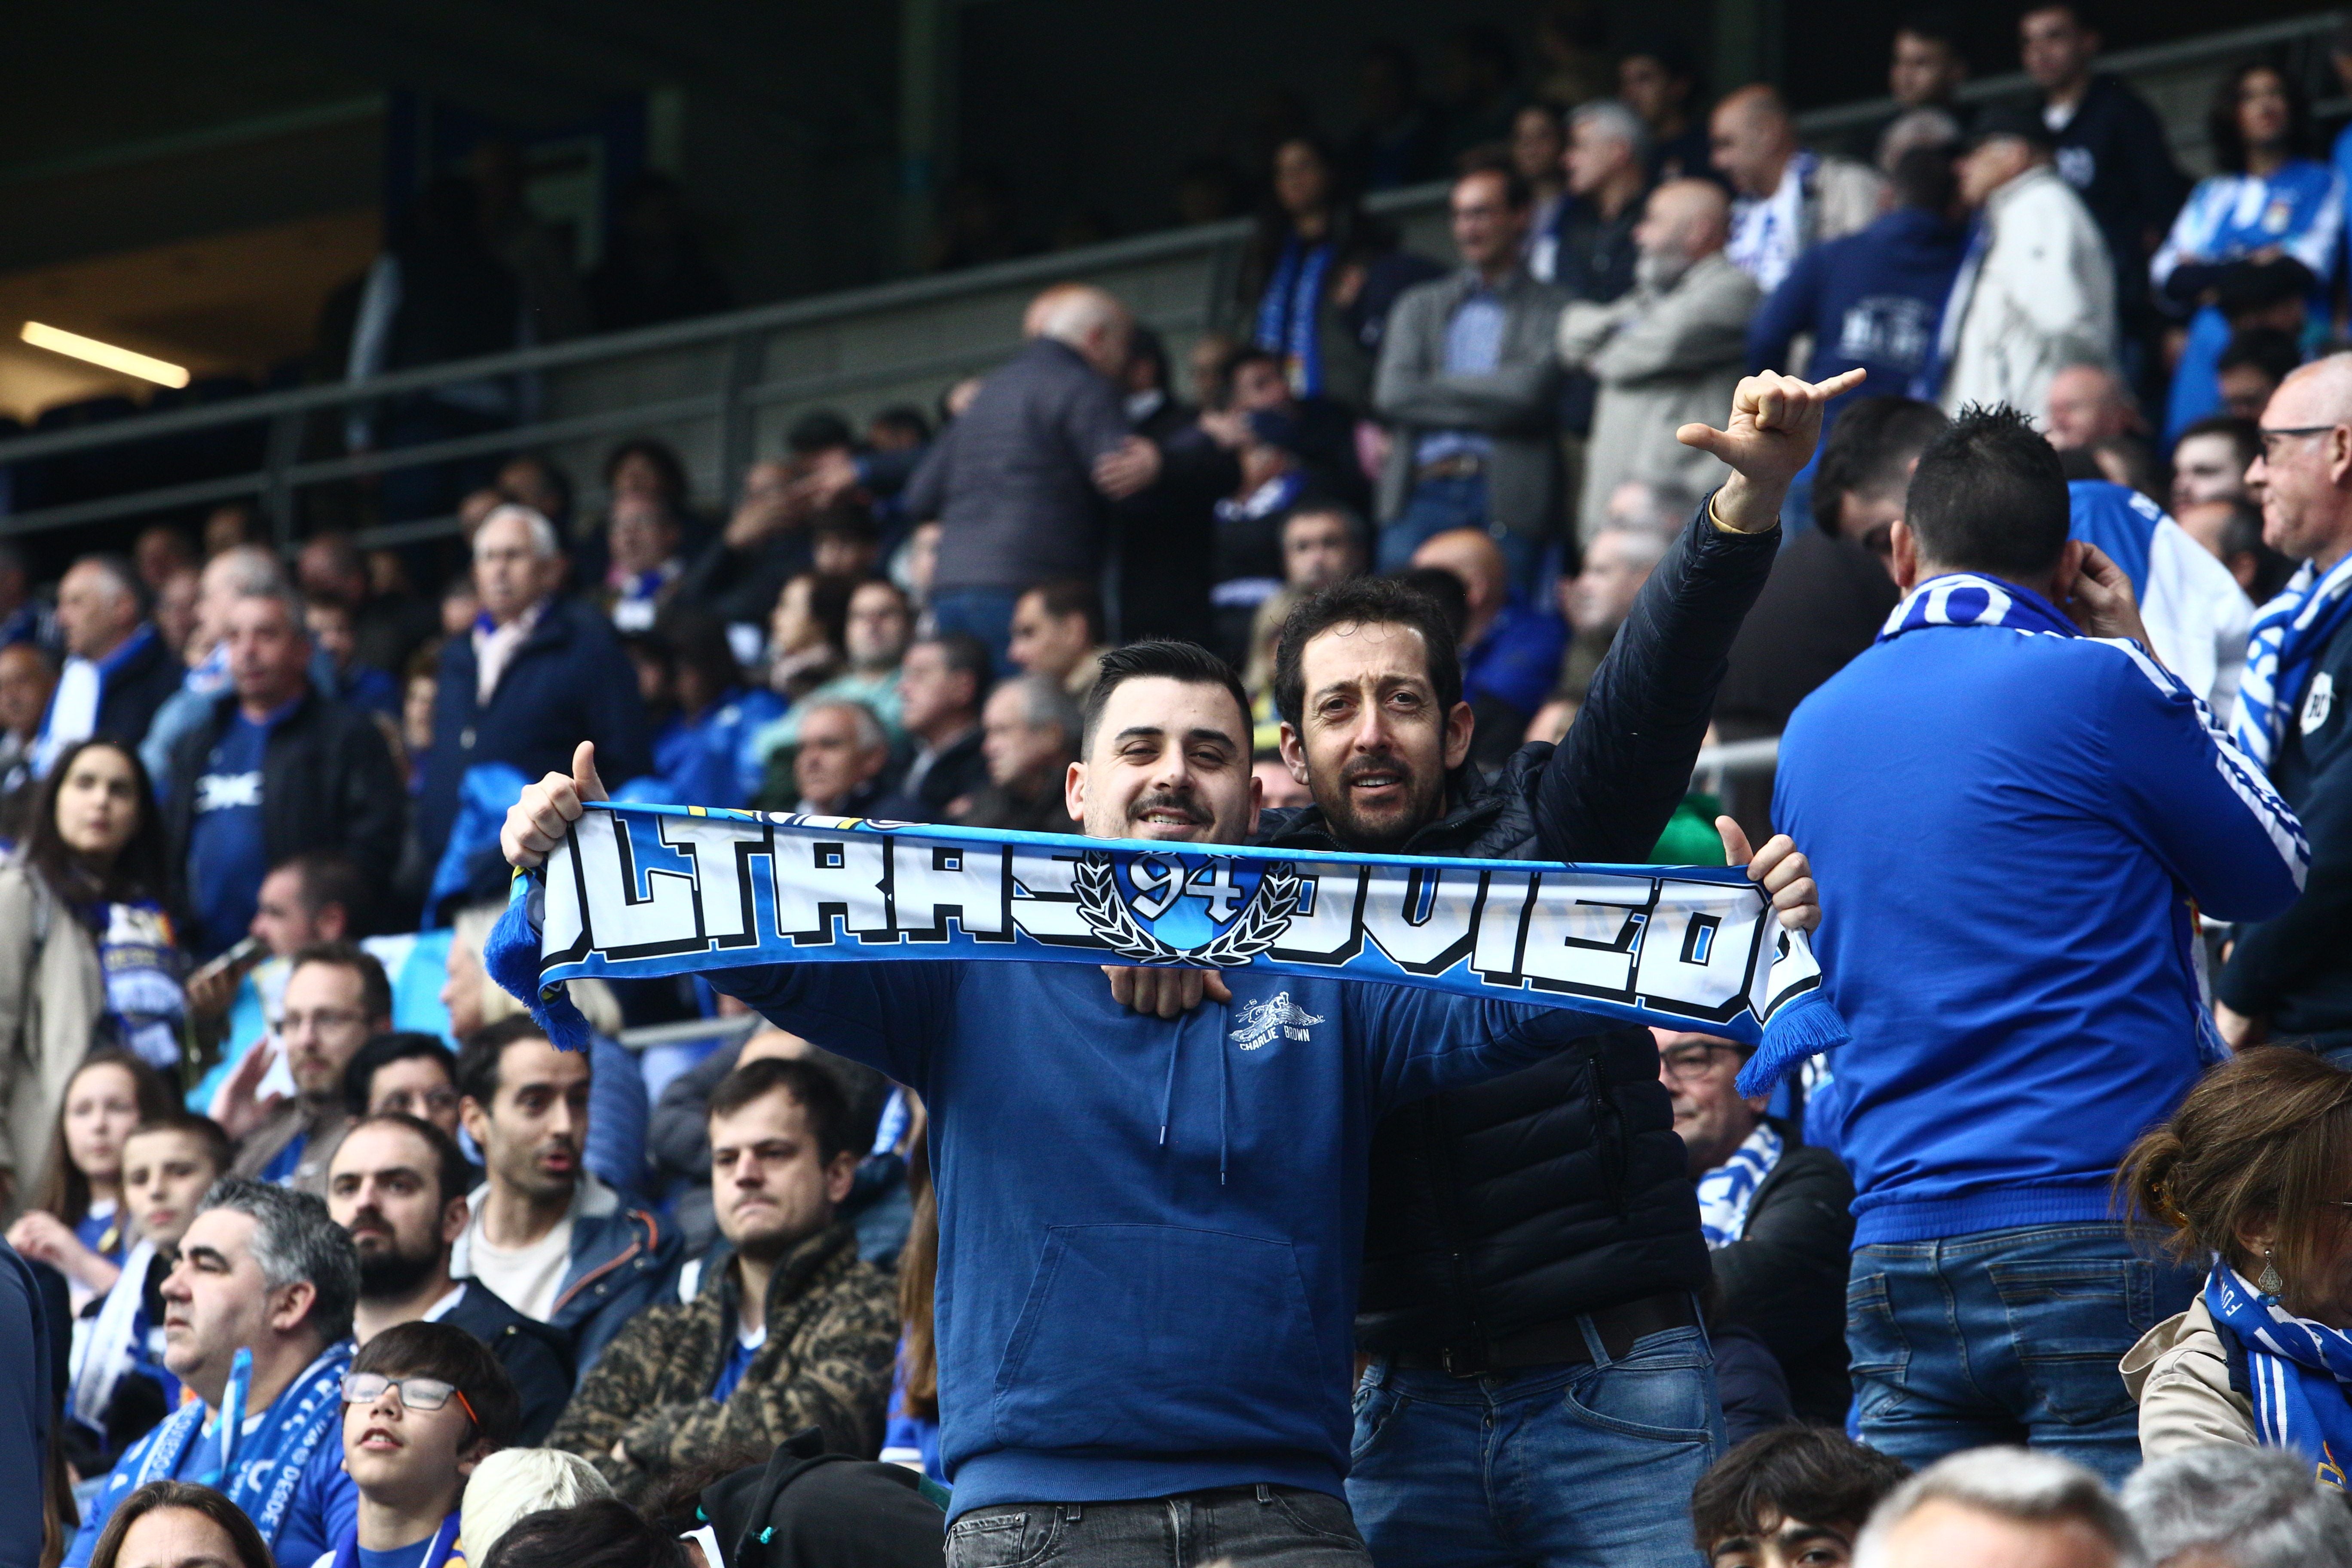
1774	1214
336	996
2286	977
423	1404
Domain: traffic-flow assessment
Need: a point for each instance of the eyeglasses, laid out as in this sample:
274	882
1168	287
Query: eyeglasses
2297	431
324	1018
415	1393
1685	1062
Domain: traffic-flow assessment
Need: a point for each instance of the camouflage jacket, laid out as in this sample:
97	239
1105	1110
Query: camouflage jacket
833	1332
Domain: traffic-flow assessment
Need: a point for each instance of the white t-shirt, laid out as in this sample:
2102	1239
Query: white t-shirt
525	1278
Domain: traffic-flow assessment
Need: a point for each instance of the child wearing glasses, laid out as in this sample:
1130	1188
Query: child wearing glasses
424	1403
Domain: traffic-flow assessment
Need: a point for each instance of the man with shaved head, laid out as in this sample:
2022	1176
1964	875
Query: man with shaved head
118	670
1020	478
2287	976
1510	648
1667	353
1789	199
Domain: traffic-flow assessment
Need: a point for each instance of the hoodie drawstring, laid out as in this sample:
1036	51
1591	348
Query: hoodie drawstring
1168	1094
1223	1068
1168	1098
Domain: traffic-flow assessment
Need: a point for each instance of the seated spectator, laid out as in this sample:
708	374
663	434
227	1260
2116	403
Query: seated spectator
1596	601
336	998
2043	294
1510	650
1029	738
312	898
1322	544
1058	633
387	623
2232	529
515	1483
2089	404
805	631
119	1387
406	1072
1999	1505
737	576
942	682
28	677
913	566
1774	1214
2221	1506
603	1533
24	615
278	769
423	1405
76	1221
1669	351
678	1139
229	525
1799	1496
544	1235
795	1330
398	1186
1789	199
1246	565
174	1523
874	632
705	747
845	541
841	762
641	542
2210	459
261	1270
1645	508
334	634
2252	367
2123	460
116	670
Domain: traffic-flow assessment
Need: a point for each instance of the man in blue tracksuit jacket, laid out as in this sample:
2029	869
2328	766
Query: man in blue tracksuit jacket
2014	827
1150	1228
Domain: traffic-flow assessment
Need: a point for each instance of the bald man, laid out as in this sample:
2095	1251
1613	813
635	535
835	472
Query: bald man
1667	353
118	670
1510	648
1019	480
1789	199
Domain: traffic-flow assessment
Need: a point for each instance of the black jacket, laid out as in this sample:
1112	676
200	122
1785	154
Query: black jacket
2115	154
1561	1188
2292	968
958	774
135	688
327	783
1784	1279
1167	532
537	1359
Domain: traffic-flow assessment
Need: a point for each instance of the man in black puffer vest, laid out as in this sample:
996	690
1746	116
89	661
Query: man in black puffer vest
1540	1388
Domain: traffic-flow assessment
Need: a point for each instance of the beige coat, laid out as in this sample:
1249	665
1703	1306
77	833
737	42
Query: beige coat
2180	1374
51	995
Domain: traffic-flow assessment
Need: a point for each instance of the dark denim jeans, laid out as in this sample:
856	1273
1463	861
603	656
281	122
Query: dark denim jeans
2006	1336
1566	1467
1438	505
1250	1527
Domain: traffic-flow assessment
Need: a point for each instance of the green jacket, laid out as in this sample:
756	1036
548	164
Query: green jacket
833	1332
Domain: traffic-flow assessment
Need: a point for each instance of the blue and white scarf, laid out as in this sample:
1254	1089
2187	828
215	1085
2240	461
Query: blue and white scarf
1965	599
2289	634
2300	1373
1288	314
1725	1193
637	891
259	1470
106	1348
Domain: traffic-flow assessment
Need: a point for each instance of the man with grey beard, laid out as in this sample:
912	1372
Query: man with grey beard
1666	354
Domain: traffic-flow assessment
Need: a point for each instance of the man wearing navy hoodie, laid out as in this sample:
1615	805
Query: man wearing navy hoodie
2014	825
1150	1229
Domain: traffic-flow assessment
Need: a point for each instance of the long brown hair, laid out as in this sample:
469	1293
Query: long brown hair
919	1274
252	1552
2266	1136
64	1190
141	868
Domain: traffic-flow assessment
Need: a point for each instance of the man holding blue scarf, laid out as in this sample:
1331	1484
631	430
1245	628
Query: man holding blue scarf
258	1324
2287	976
2015	814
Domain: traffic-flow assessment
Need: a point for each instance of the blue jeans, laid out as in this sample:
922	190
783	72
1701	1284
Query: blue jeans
984	613
1563	1465
2006	1336
1439	505
1248	1527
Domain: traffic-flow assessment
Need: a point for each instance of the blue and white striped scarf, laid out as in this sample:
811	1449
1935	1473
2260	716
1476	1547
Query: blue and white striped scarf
1726	1192
1288	312
2300	1373
2289	634
1965	599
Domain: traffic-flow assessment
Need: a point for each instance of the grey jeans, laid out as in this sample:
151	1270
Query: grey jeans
1249	1527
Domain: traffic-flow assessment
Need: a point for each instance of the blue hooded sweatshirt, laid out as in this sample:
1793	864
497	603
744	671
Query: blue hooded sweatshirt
1872	300
1149	1229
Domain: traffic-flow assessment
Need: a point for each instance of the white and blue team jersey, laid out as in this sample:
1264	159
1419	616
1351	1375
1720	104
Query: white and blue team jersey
2298	210
2198	617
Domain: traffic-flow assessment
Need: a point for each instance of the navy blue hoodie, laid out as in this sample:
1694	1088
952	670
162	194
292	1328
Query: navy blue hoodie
1872	300
1151	1230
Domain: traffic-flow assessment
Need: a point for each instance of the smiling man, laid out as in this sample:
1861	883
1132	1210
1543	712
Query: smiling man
1149	1229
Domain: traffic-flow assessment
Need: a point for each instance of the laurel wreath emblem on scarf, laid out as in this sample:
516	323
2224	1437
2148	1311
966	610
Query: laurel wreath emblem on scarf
1260	921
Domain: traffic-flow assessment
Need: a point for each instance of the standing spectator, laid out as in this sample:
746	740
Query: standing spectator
160	553
261	1271
2271	198
2285	976
175	608
1797	1498
1668	353
423	1404
1166	531
2232	531
398	1186
1592	253
117	671
1959	1105
537	675
2109	145
1774	1214
405	1071
704	751
229	576
1657	78
2210	459
653	268
544	1235
1309	223
78	1222
1789	199
1999	1505
336	998
790	1327
1029	738
1872	298
1470	386
1018	478
1924	71
840	758
941	684
28	677
278	770
2195	614
1539	152
1395	139
24	616
1617	562
2035	292
641	542
1510	648
1058	633
314	897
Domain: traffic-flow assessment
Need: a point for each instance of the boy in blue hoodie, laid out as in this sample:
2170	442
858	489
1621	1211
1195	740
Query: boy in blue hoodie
1150	1228
2014	827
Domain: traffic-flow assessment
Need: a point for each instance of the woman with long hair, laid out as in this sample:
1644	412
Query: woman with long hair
1309	228
911	1437
76	1221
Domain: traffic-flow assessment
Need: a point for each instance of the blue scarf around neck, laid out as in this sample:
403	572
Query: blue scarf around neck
1966	599
1287	313
259	1470
2300	1373
2289	634
439	1551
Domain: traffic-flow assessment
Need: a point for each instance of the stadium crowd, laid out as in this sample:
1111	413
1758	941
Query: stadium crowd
1999	473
